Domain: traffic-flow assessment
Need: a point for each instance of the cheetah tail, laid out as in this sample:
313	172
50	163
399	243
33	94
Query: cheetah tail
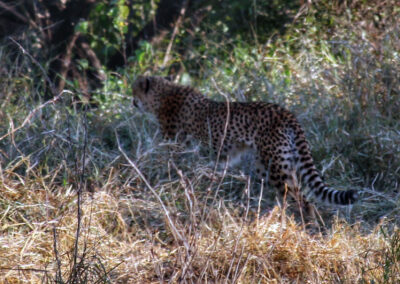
312	178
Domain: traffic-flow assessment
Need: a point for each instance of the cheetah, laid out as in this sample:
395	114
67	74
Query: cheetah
271	131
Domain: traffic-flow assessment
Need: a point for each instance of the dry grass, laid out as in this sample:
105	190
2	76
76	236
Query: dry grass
190	224
126	237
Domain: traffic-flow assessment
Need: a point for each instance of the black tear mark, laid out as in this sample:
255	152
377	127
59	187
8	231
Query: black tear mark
147	87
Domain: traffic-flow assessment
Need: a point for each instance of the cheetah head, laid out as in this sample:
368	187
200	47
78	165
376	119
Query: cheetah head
147	92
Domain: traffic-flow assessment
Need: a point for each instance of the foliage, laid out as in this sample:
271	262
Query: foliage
334	64
107	26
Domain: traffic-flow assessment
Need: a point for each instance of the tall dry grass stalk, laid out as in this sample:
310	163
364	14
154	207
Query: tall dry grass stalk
91	194
126	236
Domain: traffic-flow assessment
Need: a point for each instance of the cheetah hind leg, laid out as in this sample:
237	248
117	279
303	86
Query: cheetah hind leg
285	181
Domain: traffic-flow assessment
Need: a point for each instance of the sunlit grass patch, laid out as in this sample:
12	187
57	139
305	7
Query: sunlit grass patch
127	238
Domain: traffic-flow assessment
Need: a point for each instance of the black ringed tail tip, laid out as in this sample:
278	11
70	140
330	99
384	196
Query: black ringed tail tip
351	196
345	197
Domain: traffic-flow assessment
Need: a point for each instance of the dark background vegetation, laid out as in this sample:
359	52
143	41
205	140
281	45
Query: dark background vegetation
65	75
113	34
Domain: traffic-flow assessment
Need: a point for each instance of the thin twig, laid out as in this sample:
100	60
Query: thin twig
175	231
66	60
21	17
259	201
53	89
190	255
58	273
13	11
174	33
228	115
32	113
239	236
24	269
219	150
79	193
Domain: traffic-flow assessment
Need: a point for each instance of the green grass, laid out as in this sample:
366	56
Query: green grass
334	71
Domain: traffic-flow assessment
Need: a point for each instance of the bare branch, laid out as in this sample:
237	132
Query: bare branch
53	90
33	112
175	231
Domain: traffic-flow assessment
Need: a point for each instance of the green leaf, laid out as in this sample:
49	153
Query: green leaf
82	27
123	12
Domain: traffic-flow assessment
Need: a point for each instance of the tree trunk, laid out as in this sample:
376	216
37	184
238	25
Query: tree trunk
62	36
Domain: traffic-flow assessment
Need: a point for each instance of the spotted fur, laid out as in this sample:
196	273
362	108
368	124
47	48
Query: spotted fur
283	153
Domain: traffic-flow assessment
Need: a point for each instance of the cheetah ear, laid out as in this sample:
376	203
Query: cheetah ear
145	84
